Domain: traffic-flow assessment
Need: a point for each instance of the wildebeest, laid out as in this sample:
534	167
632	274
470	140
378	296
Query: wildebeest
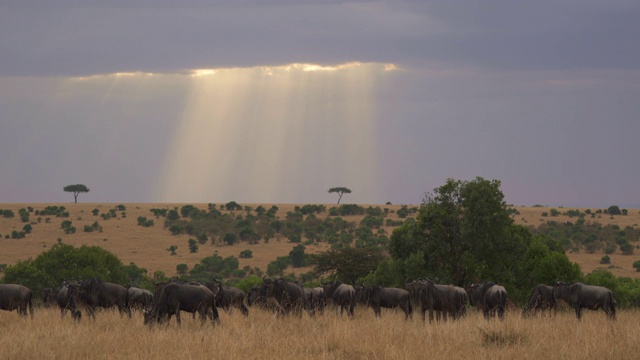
96	293
445	300
284	296
175	297
49	297
388	297
255	297
67	298
16	297
342	295
541	299
229	297
139	299
591	297
488	298
315	300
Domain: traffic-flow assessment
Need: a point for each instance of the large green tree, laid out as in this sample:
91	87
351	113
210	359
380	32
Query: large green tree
65	262
465	232
76	190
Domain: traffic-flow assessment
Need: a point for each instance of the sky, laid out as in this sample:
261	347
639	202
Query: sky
260	101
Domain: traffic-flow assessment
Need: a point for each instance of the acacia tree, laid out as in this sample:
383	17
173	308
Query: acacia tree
341	190
76	190
347	264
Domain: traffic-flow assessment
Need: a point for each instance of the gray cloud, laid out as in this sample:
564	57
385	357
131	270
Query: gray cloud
540	94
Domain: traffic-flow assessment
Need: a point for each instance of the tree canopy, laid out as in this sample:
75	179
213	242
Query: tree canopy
463	233
340	190
76	190
65	262
347	264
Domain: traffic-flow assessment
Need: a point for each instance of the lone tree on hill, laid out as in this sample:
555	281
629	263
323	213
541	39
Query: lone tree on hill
76	190
341	190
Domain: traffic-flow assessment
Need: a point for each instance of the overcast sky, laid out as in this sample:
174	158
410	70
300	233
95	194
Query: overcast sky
278	101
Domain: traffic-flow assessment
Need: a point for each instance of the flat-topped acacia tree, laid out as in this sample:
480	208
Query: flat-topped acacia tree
341	190
76	190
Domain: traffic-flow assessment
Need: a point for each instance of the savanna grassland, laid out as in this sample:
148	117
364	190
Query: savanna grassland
147	246
262	335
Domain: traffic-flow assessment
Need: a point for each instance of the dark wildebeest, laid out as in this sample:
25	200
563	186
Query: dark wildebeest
255	298
315	300
229	297
541	299
284	296
387	297
446	300
68	297
49	297
342	295
175	297
95	293
139	299
361	295
16	297
488	298
591	297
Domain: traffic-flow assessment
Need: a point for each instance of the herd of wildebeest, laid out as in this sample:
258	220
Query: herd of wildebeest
285	298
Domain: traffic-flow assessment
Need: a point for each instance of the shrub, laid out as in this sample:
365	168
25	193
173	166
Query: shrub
605	260
24	215
636	264
95	212
614	210
202	238
193	246
27	229
182	269
229	238
172	249
246	254
626	248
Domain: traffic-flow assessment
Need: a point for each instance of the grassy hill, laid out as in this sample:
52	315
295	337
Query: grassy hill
147	246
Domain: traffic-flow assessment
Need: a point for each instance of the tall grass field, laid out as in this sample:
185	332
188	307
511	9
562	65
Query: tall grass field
262	335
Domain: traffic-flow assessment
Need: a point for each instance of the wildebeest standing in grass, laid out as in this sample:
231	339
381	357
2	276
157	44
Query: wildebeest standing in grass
342	295
16	297
541	299
49	297
591	297
229	297
283	296
175	297
446	300
490	298
139	299
68	297
95	293
387	297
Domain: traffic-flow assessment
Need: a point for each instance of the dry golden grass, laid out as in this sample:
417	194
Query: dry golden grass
147	246
261	335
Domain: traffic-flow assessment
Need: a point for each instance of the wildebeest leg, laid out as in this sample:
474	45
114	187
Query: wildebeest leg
376	310
578	311
216	317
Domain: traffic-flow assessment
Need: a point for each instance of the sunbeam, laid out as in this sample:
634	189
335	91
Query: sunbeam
245	130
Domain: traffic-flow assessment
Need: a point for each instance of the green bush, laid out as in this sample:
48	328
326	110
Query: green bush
246	254
605	260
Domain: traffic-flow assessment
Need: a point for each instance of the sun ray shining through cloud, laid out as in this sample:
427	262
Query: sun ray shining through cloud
245	130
